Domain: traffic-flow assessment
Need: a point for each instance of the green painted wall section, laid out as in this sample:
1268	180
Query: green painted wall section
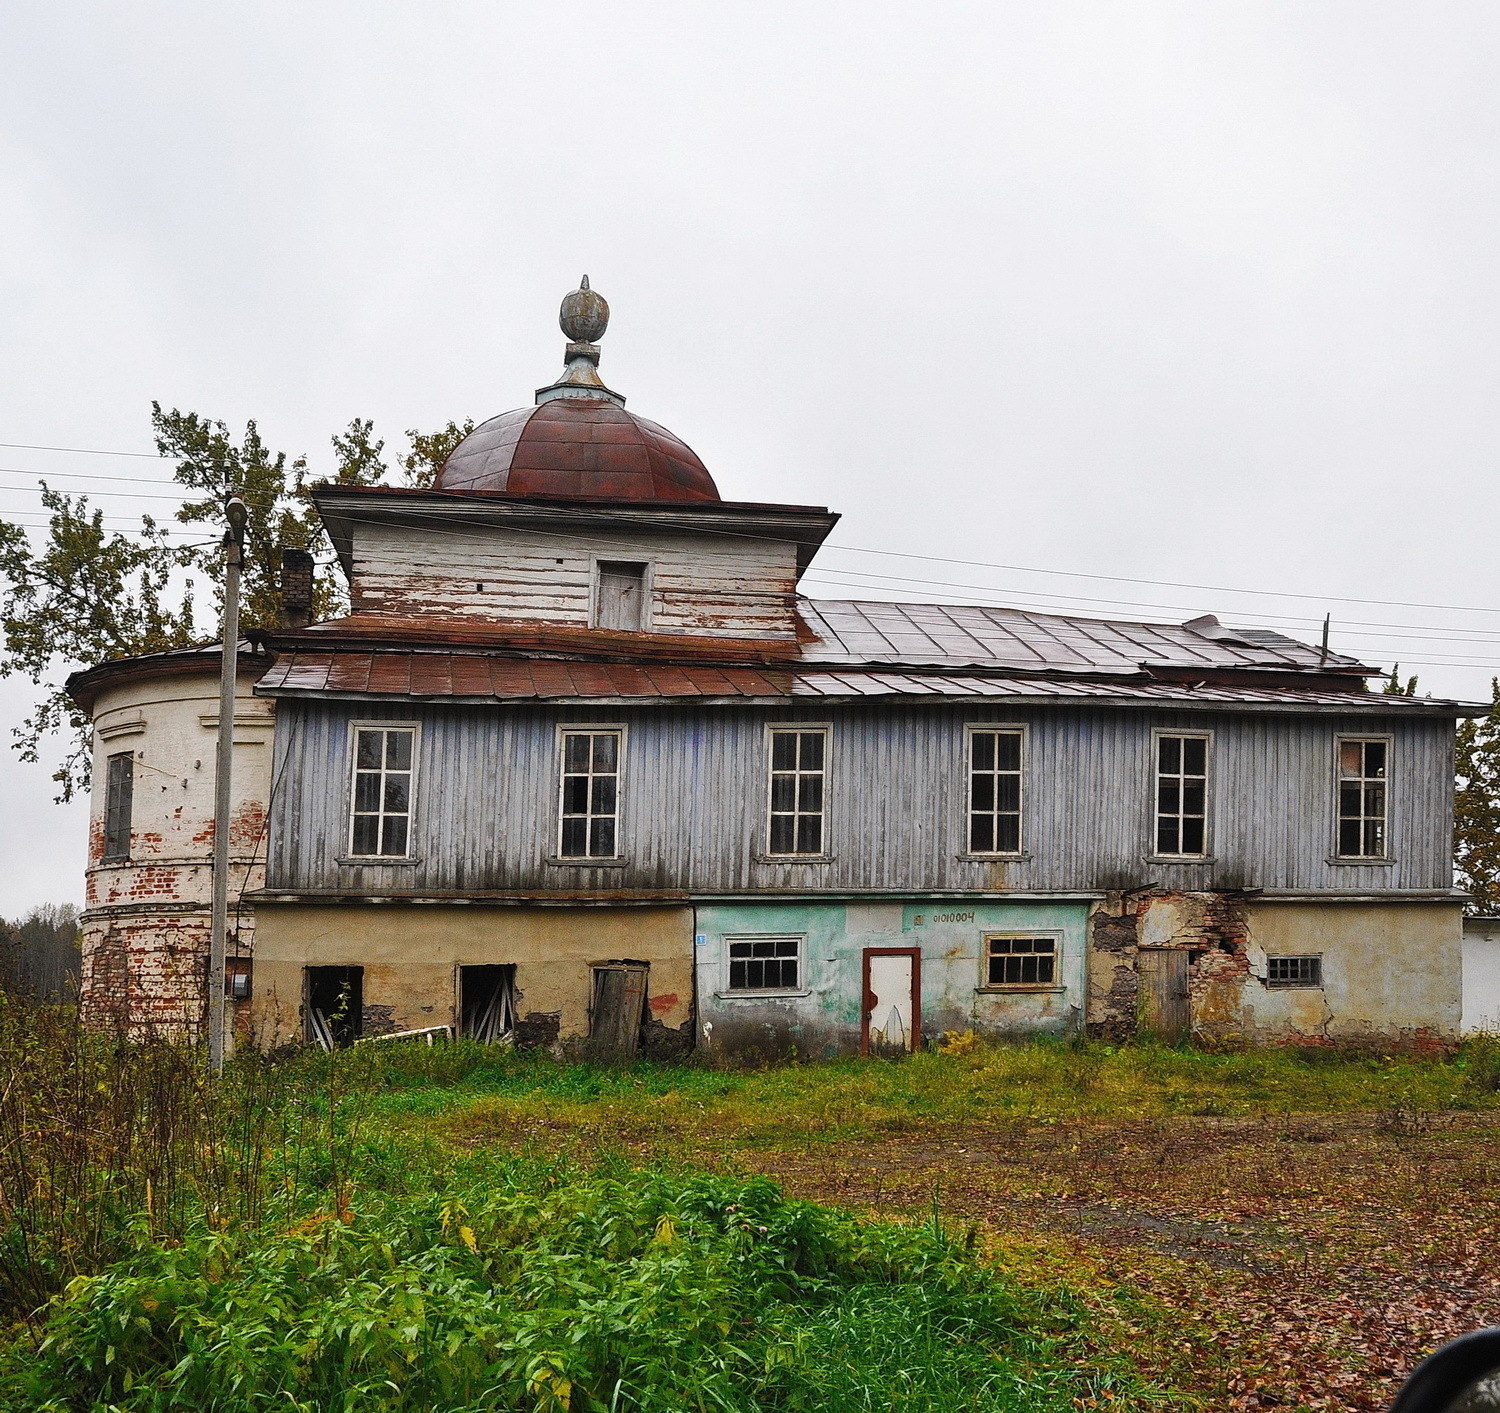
823	1015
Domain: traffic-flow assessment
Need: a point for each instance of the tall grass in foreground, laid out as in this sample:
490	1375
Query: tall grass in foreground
103	1140
529	1285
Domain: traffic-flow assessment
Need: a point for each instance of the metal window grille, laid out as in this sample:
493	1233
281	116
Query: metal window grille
590	795
1021	961
1362	799
381	822
765	964
1294	971
119	793
1181	794
994	792
797	770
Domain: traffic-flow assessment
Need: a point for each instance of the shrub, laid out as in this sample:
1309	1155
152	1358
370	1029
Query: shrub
579	1290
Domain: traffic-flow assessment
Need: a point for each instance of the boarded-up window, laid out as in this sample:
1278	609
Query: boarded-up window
1021	961
380	826
590	795
994	792
1181	794
1362	798
119	792
797	778
620	596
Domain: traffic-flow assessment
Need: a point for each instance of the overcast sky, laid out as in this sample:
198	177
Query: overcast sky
1203	294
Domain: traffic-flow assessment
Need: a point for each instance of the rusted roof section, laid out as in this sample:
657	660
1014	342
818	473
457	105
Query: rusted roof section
972	635
484	677
605	644
576	447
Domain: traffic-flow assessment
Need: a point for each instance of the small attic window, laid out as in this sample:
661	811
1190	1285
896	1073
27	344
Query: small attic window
620	595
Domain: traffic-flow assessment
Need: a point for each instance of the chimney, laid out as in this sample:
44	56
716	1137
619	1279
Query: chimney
296	588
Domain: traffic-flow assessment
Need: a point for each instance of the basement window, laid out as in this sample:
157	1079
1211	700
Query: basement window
620	596
119	791
765	963
1020	961
1294	971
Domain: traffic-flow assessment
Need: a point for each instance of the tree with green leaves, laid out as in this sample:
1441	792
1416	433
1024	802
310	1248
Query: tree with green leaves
1476	806
77	594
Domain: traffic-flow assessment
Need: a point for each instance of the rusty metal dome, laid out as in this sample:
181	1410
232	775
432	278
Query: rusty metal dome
576	447
578	440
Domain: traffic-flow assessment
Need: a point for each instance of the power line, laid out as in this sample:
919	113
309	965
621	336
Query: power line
84	451
860	549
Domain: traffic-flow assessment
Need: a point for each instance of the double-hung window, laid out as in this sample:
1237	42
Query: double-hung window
1362	766
1181	795
590	814
995	791
798	769
119	791
384	768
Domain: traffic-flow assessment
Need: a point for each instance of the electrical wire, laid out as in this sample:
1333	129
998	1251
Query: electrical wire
83	450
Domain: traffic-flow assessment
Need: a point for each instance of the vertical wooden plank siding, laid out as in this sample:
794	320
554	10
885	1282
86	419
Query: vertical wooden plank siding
693	801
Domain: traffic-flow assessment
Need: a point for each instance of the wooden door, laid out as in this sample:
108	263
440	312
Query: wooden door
1166	1004
892	1001
617	1012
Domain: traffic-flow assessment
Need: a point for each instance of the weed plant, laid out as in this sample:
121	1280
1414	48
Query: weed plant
525	1284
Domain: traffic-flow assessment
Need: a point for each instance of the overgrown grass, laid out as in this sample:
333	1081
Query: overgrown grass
520	1284
487	1096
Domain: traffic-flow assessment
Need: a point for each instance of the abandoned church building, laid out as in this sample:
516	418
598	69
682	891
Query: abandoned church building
580	762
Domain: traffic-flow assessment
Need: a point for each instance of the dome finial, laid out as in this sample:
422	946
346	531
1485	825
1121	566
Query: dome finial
584	317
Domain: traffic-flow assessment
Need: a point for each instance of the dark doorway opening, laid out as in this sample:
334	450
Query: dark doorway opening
335	1000
487	1003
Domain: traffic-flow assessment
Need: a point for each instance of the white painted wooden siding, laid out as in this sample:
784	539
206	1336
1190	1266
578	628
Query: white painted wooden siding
718	586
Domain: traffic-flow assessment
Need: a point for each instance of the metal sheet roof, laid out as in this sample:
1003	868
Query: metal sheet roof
482	677
941	635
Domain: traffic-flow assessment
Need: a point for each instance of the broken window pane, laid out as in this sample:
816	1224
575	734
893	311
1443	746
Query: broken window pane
1362	799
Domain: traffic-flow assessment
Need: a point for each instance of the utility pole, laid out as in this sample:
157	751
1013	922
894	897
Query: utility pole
234	548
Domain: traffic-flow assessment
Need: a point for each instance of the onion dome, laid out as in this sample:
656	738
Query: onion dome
578	440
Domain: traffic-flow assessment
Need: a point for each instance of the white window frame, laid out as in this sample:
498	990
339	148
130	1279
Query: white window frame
355	727
1337	855
591	728
746	992
648	589
971	729
1056	937
1158	734
804	727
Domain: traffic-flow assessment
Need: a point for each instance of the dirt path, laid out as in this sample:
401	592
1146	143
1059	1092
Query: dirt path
1283	1262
